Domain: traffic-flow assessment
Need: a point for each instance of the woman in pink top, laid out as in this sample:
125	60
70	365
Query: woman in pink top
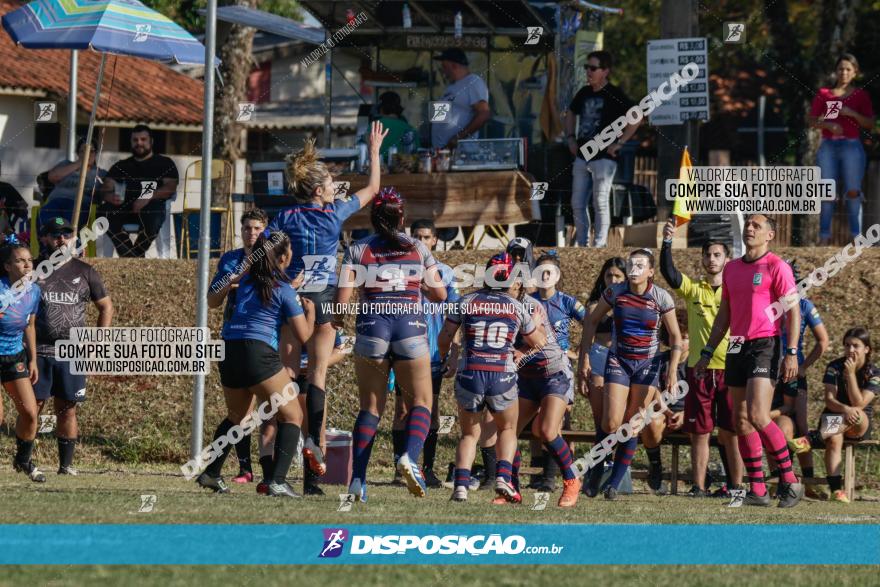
840	112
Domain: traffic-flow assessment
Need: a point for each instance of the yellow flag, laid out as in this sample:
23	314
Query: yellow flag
679	210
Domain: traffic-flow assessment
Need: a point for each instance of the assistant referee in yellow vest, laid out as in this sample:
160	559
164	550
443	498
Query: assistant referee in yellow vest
708	402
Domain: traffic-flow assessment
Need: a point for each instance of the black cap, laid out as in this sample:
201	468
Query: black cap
452	54
56	224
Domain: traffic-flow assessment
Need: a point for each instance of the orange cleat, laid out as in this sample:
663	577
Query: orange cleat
570	490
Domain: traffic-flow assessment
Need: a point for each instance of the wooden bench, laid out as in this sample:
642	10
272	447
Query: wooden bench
677	440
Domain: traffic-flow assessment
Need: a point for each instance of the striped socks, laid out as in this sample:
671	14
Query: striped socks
462	478
774	443
750	450
517	463
622	459
504	470
560	452
362	445
417	426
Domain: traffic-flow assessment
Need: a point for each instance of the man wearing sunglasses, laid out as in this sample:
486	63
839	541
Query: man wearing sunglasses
64	297
597	104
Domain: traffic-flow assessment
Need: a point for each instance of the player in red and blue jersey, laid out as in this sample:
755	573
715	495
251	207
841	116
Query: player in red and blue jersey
633	367
789	407
314	225
391	329
265	301
750	288
18	364
491	318
425	231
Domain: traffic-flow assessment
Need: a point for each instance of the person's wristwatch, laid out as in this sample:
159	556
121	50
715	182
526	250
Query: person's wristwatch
791	352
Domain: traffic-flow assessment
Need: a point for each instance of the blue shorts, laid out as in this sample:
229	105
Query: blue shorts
476	390
56	380
629	372
537	388
598	358
391	336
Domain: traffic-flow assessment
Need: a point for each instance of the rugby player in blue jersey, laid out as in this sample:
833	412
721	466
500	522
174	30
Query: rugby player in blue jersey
251	367
314	225
18	363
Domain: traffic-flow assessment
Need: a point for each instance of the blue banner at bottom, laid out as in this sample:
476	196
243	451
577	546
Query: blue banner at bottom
440	544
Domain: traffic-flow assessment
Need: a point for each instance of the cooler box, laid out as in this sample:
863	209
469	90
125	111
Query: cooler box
338	458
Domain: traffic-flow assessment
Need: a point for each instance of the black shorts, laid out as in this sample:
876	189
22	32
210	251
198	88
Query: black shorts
248	362
323	301
758	358
56	380
14	367
790	389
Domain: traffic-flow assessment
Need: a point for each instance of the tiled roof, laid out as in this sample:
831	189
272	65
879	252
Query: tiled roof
133	90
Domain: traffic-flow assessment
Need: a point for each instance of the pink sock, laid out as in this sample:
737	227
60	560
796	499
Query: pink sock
750	450
774	443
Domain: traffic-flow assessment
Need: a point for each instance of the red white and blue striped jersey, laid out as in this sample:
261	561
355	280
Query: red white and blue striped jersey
490	321
548	359
637	319
392	275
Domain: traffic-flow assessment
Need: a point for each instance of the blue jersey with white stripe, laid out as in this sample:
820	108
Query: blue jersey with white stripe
14	319
251	319
809	317
435	318
561	309
314	235
230	263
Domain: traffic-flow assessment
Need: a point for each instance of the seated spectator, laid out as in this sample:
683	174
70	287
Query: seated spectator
653	432
13	213
65	177
400	133
149	179
851	384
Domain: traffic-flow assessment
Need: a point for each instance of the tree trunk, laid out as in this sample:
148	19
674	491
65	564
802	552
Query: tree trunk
235	54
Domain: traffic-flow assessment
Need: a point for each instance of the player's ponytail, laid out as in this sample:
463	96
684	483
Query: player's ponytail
387	216
265	270
305	173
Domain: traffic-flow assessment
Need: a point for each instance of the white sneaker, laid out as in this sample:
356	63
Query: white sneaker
460	493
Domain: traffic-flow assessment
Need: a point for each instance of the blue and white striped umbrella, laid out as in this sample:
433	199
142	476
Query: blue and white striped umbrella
122	27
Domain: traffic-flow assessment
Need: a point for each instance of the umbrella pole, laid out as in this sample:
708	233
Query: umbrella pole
71	107
83	172
198	399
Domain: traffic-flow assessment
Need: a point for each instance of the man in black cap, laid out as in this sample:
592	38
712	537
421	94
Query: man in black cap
64	297
469	98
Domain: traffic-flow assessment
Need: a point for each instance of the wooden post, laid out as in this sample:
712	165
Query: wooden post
849	472
674	479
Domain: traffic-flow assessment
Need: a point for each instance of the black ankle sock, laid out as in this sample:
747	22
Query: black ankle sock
243	452
286	440
654	457
489	460
398	441
835	482
266	464
551	467
724	463
430	450
66	447
807	472
24	449
315	400
217	465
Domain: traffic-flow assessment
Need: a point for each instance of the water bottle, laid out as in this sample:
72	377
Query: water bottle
458	25
362	156
408	140
407	17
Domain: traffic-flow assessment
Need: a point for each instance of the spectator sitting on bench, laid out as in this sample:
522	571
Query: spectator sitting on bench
653	432
65	177
851	383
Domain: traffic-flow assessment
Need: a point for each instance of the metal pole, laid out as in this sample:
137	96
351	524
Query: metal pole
762	106
71	107
328	96
83	172
198	401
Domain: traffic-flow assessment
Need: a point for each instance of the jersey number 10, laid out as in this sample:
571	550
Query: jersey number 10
494	336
